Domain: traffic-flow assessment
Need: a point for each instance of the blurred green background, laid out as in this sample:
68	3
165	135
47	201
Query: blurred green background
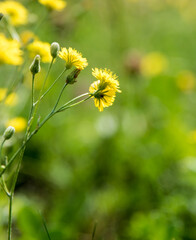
131	169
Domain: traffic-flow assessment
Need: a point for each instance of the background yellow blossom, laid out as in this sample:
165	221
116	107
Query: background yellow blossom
19	123
186	80
40	48
56	5
153	64
17	13
11	99
10	52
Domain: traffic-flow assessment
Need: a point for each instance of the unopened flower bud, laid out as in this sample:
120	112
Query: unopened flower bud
9	132
54	49
1	16
71	78
35	66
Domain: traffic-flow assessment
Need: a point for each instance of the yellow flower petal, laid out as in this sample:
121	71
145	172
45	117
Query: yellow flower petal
18	123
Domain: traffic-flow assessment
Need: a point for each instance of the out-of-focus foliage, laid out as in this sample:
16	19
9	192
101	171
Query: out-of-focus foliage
132	168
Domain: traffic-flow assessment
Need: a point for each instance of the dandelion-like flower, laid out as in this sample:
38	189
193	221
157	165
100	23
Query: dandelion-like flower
104	89
153	64
73	58
10	52
11	99
19	123
55	5
16	11
186	81
40	48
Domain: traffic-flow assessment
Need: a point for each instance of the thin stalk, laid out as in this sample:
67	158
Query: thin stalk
1	147
11	30
66	106
51	114
10	217
32	101
59	97
46	229
48	90
36	104
4	187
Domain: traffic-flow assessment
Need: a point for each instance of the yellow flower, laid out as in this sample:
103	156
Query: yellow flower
192	136
19	123
10	52
40	48
186	81
104	89
106	76
11	99
73	58
153	64
27	37
54	4
16	11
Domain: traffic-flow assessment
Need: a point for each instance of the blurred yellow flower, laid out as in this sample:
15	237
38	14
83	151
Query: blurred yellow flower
27	37
104	89
54	4
11	99
73	58
17	13
186	80
19	123
153	64
10	52
192	136
40	48
179	4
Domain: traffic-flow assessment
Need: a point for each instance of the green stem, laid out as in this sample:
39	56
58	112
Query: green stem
36	104
46	229
48	90
4	187
51	114
73	100
59	97
10	217
32	103
1	147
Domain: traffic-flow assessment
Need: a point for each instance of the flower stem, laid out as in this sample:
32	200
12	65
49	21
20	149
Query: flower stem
10	216
1	147
73	100
32	102
51	114
59	97
48	90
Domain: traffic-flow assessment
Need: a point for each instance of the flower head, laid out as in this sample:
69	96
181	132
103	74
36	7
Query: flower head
40	48
55	5
73	58
19	123
10	52
104	89
153	64
11	99
186	81
16	11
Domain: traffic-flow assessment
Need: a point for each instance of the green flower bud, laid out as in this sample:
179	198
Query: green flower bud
54	49
35	65
9	132
1	16
71	78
